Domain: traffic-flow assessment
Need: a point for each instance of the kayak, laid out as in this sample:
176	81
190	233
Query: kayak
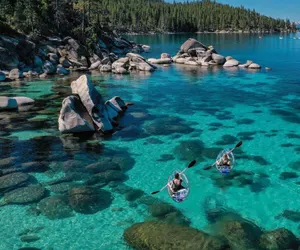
225	169
181	194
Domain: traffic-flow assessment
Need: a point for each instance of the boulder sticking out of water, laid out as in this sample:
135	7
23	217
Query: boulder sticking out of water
12	103
80	113
74	117
137	62
157	235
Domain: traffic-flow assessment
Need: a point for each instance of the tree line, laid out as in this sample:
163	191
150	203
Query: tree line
85	19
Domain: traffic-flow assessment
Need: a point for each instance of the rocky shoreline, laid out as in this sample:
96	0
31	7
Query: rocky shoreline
22	57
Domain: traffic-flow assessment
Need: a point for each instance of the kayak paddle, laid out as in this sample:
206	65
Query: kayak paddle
236	146
192	163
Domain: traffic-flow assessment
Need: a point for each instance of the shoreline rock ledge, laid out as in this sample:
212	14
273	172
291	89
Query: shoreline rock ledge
195	53
86	111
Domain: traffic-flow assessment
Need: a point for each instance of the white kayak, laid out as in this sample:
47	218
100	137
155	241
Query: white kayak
181	194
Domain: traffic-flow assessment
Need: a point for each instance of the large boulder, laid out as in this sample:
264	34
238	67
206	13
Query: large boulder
95	65
158	235
25	195
74	117
55	207
191	43
240	233
76	53
278	239
122	62
89	200
231	63
105	68
254	66
9	103
93	102
137	62
218	58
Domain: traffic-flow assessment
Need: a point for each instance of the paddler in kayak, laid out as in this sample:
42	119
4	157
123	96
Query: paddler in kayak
175	185
224	160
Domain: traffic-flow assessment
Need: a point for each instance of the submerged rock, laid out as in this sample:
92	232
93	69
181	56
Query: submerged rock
89	200
156	235
189	150
278	239
29	238
25	195
241	234
13	180
291	215
55	207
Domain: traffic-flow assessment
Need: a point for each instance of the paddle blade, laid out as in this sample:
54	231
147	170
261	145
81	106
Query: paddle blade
155	192
192	163
239	144
208	167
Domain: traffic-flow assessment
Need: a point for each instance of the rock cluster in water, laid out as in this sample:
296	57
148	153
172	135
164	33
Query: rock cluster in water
193	52
21	57
228	231
86	110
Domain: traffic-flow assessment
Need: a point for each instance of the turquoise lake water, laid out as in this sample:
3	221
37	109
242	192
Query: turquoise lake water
180	113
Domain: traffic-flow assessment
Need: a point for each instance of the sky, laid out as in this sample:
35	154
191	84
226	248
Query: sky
274	8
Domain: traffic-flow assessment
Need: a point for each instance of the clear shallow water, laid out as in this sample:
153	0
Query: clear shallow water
214	106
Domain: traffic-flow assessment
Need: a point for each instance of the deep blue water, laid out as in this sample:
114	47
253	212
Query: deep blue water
180	113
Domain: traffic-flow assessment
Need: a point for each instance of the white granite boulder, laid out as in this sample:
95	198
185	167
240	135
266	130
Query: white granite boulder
231	63
10	103
137	62
254	66
219	59
74	117
93	102
191	43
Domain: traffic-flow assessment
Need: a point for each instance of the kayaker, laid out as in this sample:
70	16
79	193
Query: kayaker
225	160
175	185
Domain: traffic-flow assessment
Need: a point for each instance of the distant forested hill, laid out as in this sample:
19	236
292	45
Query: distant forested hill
84	19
